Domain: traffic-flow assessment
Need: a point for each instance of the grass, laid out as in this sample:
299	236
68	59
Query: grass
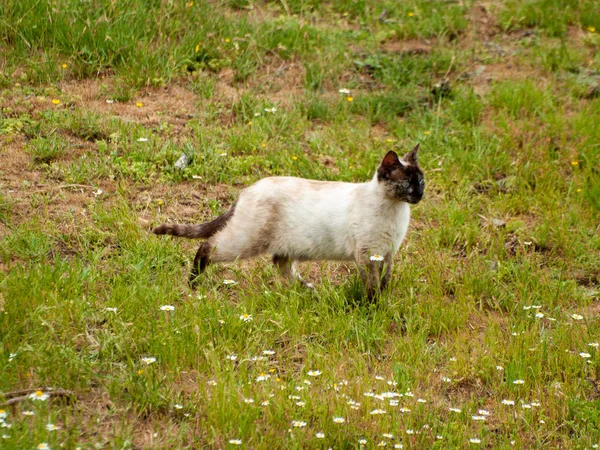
498	280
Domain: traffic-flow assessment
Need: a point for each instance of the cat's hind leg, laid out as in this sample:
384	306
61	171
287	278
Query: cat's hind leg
201	261
285	264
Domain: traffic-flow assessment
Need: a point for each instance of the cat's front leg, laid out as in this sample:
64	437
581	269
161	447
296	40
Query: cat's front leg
386	276
375	271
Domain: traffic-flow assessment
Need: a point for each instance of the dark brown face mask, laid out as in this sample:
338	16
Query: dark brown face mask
403	181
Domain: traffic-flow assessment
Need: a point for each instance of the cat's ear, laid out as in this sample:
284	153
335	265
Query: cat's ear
389	164
412	156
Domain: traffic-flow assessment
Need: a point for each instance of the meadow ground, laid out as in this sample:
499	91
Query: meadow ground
488	336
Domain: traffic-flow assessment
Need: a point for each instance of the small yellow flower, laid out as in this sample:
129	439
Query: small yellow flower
250	123
410	14
189	4
64	65
579	190
573	163
55	101
263	145
227	40
140	371
139	104
197	48
350	99
271	370
428	132
294	158
389	140
592	29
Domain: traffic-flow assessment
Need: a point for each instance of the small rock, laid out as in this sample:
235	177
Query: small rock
182	162
497	223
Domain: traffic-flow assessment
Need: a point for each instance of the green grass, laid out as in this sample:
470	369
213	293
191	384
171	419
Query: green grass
508	228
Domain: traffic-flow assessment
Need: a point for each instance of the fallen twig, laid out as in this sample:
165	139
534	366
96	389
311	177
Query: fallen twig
20	396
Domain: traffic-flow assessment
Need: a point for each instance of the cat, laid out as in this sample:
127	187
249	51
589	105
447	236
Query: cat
296	219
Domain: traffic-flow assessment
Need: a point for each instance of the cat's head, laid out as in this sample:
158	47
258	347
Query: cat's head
402	179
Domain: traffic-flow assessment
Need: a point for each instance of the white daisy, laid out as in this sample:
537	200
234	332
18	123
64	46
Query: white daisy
376	412
376	257
314	373
508	402
475	441
344	91
52	427
577	317
246	317
298	424
320	435
167	308
339	419
39	396
585	355
262	377
235	441
148	359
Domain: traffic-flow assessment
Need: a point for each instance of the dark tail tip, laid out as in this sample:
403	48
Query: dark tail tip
161	229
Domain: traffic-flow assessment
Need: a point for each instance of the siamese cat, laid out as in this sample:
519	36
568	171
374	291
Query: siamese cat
295	219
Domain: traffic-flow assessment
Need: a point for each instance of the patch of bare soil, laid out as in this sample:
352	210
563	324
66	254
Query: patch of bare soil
483	24
279	82
182	202
173	104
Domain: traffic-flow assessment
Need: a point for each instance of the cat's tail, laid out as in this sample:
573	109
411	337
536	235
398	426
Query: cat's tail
198	231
